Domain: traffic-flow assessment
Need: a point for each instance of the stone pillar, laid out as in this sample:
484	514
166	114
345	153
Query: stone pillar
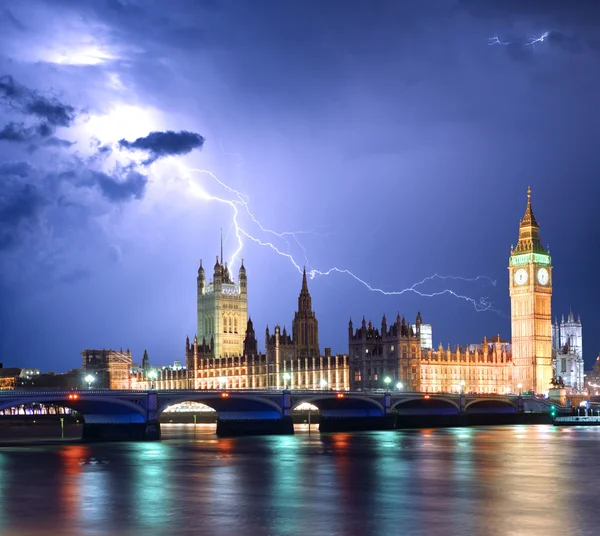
286	403
152	424
387	403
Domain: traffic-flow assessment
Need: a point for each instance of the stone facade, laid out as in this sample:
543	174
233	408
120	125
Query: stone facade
111	368
222	309
567	349
393	358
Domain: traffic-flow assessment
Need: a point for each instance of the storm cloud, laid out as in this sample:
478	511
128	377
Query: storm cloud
19	208
20	169
162	144
121	187
29	102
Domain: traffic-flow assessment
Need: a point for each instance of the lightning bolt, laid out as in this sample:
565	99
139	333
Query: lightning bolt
240	202
492	41
533	40
496	41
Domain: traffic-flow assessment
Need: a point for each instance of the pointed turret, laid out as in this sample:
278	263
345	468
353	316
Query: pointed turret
305	327
304	299
250	342
529	232
529	218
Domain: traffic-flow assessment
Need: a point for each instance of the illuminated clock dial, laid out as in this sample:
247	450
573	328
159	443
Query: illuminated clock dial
521	276
542	276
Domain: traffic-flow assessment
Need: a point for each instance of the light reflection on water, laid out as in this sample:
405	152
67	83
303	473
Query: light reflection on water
500	480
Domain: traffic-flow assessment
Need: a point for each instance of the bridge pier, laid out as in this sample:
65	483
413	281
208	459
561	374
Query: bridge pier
233	424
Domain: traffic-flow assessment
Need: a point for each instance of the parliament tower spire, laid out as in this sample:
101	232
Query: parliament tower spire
530	286
305	327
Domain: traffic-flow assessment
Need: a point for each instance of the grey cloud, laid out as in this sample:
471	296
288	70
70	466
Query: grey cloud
566	42
29	102
17	132
20	169
53	111
58	142
8	16
161	144
121	187
17	210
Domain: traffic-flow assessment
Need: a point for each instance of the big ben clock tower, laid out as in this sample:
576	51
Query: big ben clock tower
530	272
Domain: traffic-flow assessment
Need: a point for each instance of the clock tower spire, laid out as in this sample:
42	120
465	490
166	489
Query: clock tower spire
530	284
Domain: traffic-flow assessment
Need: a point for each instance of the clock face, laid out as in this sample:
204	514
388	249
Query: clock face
521	276
543	276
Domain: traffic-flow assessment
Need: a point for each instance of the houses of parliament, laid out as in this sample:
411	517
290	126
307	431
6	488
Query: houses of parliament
224	353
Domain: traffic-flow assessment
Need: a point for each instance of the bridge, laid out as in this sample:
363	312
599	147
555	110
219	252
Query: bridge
125	414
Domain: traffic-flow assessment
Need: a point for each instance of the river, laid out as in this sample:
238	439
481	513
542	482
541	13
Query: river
511	480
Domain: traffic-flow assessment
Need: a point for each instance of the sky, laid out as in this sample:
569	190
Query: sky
393	141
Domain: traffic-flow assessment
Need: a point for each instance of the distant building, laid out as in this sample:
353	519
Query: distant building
30	378
8	378
110	368
222	309
567	349
292	361
395	359
592	379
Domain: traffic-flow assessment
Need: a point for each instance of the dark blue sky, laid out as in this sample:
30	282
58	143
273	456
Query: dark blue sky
400	137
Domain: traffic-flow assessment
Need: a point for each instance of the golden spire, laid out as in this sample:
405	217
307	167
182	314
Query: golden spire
529	231
529	218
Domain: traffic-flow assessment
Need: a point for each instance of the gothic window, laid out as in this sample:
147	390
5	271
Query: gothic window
235	325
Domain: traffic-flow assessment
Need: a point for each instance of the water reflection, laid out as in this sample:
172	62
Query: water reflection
494	481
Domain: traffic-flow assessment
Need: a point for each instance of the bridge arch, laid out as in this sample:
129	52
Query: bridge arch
240	405
426	404
332	404
85	404
491	405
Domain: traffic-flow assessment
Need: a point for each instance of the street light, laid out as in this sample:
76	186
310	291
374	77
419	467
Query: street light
152	375
323	383
286	378
387	380
222	381
89	379
462	387
520	388
399	386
